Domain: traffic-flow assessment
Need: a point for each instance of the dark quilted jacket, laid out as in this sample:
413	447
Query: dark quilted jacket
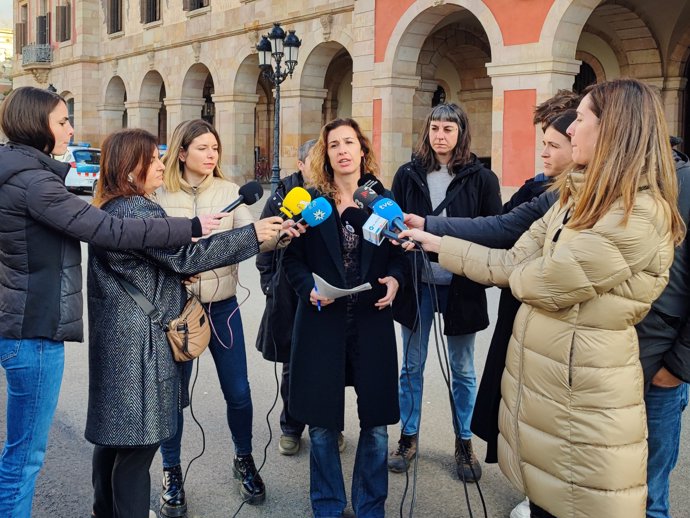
41	225
134	383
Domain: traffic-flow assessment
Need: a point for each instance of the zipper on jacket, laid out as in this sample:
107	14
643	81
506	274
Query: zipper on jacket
570	361
194	192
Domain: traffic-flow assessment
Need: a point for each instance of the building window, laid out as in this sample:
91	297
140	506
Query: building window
114	16
586	77
439	96
193	5
63	22
150	11
20	40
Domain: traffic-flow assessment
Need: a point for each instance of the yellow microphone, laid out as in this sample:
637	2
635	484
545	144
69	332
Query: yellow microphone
294	202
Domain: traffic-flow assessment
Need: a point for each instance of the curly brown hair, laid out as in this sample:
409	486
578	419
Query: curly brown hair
321	170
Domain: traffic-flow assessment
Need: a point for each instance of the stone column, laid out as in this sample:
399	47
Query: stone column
397	107
143	114
300	120
110	116
182	109
673	96
517	89
235	125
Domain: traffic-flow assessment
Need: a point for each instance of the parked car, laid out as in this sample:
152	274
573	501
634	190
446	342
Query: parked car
85	168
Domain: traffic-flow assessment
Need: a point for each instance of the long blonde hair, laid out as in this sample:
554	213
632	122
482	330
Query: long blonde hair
321	170
182	137
632	145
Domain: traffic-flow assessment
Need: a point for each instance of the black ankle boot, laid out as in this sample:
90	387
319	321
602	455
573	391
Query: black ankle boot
252	488
173	501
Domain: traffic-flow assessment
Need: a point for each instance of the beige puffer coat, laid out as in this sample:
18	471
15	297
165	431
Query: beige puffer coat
209	197
572	417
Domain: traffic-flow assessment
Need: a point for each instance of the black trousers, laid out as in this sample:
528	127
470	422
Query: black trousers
121	482
538	512
288	424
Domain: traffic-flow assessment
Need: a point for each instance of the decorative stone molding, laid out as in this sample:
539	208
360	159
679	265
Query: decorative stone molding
253	40
327	25
196	49
41	75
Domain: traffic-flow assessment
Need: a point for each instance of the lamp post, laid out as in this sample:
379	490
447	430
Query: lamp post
277	45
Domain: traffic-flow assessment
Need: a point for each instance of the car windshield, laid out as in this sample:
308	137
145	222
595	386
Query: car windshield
87	156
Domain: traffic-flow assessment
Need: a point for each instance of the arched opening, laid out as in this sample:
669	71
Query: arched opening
452	68
162	118
197	91
152	112
113	112
263	130
586	77
338	83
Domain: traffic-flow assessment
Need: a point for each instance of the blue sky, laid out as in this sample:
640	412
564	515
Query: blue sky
5	14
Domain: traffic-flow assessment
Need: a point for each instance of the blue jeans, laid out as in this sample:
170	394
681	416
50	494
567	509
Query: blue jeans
228	351
664	409
460	357
369	478
33	368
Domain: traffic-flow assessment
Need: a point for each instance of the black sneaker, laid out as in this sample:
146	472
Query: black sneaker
467	465
252	488
399	460
173	501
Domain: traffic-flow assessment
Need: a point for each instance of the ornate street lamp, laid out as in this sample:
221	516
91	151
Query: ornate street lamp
277	45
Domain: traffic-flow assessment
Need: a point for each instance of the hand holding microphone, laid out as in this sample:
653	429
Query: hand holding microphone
427	241
210	222
267	228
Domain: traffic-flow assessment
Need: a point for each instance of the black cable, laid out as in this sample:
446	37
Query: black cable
277	262
442	351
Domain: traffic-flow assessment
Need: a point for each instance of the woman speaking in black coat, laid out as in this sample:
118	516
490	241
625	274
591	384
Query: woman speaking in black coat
347	341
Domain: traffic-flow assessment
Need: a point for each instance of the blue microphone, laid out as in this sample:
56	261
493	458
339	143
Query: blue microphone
390	211
316	212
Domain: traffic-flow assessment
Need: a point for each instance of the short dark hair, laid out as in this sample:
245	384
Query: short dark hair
125	159
461	154
552	108
24	117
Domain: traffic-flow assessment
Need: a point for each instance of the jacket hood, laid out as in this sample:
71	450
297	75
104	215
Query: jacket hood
15	158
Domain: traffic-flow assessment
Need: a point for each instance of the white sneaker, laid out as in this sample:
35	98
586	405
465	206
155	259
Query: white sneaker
521	510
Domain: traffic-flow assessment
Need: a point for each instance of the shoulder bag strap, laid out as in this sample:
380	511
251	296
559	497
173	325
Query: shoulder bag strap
449	197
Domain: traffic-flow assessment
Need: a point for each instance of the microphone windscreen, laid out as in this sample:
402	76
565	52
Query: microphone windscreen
353	220
251	192
295	201
318	211
388	209
364	197
369	180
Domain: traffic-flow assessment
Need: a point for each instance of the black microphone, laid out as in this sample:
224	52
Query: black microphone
353	220
373	183
365	197
250	193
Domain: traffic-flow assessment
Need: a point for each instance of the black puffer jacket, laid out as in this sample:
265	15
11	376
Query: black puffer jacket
478	195
275	331
41	224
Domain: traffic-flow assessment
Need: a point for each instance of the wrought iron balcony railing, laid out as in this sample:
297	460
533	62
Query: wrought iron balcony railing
37	54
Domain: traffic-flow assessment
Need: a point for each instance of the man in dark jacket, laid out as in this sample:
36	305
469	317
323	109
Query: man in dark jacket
664	334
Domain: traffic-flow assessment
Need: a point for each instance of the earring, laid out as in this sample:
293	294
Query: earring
129	178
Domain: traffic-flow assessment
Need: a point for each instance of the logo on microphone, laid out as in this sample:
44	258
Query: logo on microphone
319	215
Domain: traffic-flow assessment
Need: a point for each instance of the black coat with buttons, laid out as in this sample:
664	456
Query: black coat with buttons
475	192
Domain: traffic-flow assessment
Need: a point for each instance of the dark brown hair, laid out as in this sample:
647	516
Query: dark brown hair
426	155
548	111
24	117
125	154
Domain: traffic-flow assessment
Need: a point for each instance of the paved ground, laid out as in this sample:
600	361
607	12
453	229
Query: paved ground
64	486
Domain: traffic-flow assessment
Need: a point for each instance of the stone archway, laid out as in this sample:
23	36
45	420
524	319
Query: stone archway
113	112
434	43
149	106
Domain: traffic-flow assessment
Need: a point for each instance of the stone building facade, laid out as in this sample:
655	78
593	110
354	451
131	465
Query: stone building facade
155	63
